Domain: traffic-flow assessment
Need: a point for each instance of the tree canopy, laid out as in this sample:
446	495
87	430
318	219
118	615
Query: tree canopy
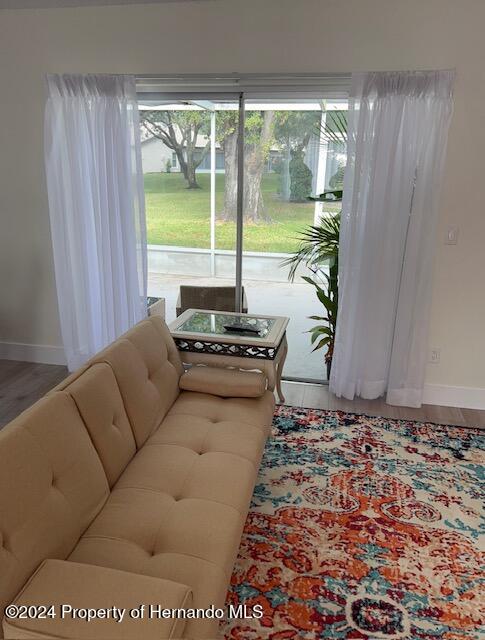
181	131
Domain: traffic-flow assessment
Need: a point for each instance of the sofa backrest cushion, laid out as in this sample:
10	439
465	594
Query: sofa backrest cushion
52	485
147	367
99	402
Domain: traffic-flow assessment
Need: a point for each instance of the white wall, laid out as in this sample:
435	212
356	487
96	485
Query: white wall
154	156
249	36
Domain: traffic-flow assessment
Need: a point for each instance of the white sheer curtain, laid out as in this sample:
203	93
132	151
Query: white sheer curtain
398	127
96	202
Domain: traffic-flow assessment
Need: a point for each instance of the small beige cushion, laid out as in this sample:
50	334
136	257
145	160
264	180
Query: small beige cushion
226	383
84	586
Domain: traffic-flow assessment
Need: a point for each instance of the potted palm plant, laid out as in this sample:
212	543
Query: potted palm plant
318	252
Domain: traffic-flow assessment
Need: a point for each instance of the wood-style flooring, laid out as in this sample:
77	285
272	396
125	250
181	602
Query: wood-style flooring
319	397
22	383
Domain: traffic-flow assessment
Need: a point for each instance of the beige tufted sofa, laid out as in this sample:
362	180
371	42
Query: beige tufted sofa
120	489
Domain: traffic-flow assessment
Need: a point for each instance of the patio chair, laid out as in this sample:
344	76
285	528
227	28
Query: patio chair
217	298
156	306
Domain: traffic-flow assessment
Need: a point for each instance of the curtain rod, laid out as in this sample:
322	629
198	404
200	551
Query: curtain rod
332	84
240	77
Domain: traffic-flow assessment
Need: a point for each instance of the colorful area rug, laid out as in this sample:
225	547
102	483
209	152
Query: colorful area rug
366	528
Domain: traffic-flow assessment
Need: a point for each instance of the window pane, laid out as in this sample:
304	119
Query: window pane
183	197
289	157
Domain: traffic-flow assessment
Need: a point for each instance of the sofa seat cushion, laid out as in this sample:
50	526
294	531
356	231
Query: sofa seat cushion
257	412
203	435
182	474
189	541
159	525
83	586
227	383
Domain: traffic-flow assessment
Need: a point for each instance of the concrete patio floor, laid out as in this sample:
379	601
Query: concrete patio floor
294	300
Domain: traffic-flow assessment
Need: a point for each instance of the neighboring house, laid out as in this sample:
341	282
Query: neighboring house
155	155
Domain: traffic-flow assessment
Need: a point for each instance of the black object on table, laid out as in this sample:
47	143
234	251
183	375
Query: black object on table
240	328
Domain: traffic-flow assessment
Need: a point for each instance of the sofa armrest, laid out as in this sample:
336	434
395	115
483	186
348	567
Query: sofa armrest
227	383
83	587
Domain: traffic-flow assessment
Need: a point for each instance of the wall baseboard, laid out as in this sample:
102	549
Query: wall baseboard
41	353
465	397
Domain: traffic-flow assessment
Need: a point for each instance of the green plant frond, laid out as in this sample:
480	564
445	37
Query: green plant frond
329	304
333	128
321	329
318	245
330	280
312	282
334	195
321	344
340	120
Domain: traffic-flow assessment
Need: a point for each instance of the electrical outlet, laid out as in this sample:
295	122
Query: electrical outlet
434	356
452	232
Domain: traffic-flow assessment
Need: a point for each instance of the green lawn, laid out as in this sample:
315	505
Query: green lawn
181	217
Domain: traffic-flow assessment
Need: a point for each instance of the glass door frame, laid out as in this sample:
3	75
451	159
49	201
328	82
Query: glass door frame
240	205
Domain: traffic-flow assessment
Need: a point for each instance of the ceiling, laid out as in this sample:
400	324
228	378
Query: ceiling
46	4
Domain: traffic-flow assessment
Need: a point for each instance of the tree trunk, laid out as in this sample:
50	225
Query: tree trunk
285	173
191	136
230	174
253	200
191	177
254	160
255	156
181	159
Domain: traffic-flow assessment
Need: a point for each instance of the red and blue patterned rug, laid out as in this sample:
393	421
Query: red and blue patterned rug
364	527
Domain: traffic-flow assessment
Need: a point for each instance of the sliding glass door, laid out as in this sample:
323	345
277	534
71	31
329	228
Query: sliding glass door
228	178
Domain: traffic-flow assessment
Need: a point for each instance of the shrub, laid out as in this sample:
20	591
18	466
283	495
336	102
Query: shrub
337	180
300	178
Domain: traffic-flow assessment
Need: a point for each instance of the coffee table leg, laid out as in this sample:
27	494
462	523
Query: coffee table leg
279	369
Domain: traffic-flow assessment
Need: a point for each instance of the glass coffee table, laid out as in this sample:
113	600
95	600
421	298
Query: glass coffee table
242	340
